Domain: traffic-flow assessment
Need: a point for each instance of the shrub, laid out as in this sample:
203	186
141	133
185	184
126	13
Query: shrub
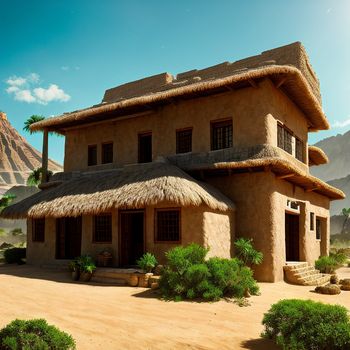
307	325
34	334
86	263
147	262
327	264
188	275
246	252
339	256
15	255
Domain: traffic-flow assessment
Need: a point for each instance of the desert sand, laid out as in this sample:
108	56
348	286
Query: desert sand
112	317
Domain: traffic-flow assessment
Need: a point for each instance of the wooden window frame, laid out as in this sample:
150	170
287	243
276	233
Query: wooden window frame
94	229
216	124
41	238
299	153
102	153
156	211
283	130
140	135
88	160
178	131
312	221
318	234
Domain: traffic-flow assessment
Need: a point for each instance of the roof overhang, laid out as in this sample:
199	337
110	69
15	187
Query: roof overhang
317	156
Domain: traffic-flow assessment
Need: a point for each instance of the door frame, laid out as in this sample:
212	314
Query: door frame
295	214
129	211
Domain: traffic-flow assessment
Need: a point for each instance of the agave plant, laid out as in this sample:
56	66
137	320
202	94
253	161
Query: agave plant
246	252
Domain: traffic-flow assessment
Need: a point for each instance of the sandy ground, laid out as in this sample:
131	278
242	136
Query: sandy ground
108	317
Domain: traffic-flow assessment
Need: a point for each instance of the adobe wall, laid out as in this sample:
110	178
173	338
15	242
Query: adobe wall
261	202
198	225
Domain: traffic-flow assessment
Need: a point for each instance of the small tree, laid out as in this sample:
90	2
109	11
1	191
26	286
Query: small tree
35	177
346	213
31	120
5	200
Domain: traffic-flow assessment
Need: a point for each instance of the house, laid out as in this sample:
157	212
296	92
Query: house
207	156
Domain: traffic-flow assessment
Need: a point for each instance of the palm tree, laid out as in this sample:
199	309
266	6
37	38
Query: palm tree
346	213
31	120
35	177
5	200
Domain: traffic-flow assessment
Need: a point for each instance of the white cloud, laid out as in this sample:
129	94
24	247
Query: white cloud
52	93
25	96
65	68
16	81
341	124
23	90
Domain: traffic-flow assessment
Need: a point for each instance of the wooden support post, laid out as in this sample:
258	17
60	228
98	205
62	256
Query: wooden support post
286	176
45	155
253	83
281	82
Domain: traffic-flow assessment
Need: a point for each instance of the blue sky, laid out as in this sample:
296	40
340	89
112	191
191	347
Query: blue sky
59	56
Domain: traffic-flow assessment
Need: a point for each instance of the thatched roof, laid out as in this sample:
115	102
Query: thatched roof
288	67
130	187
264	157
317	156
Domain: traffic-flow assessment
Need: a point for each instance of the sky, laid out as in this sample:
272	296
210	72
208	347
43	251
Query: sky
60	56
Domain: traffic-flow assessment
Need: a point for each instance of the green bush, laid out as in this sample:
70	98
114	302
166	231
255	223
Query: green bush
86	263
15	255
34	334
246	252
339	256
307	325
327	264
147	262
187	275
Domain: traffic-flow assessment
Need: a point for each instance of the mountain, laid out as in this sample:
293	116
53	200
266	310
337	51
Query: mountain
337	149
17	157
344	185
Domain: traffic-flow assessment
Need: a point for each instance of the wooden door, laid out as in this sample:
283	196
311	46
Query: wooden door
131	237
292	237
68	237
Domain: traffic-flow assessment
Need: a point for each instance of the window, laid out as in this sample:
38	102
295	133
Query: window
107	153
318	228
221	135
145	148
167	225
312	221
184	141
102	228
92	155
287	144
299	149
38	230
280	136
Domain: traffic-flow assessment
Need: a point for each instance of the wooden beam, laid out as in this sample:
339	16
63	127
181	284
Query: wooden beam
286	176
312	189
45	155
281	82
253	83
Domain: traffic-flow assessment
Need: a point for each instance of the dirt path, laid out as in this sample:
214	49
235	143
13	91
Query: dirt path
105	317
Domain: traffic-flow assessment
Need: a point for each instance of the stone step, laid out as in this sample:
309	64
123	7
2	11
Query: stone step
295	265
304	274
112	281
309	272
317	282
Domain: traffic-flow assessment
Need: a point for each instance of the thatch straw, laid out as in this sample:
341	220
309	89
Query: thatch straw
260	156
317	156
131	187
288	64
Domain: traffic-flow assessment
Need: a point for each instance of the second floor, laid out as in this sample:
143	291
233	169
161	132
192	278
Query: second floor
239	119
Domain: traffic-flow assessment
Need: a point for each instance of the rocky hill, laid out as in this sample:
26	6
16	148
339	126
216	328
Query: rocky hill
17	157
338	150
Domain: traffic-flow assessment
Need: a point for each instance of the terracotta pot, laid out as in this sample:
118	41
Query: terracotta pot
75	275
85	276
133	281
144	279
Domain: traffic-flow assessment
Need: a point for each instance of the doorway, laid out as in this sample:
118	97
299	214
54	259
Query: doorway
131	229
292	237
68	238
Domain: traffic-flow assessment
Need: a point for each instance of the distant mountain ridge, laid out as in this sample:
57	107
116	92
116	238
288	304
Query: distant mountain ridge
337	149
17	157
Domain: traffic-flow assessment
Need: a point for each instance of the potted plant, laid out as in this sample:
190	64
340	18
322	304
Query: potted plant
87	267
147	263
74	268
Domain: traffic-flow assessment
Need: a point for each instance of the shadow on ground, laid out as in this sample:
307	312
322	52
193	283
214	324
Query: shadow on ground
259	344
54	275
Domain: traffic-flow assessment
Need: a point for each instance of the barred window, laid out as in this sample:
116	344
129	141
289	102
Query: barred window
184	141
102	228
221	135
318	228
38	230
92	155
280	136
288	141
107	153
312	221
167	225
299	149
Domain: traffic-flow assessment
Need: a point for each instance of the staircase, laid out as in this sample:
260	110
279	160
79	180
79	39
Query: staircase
304	274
